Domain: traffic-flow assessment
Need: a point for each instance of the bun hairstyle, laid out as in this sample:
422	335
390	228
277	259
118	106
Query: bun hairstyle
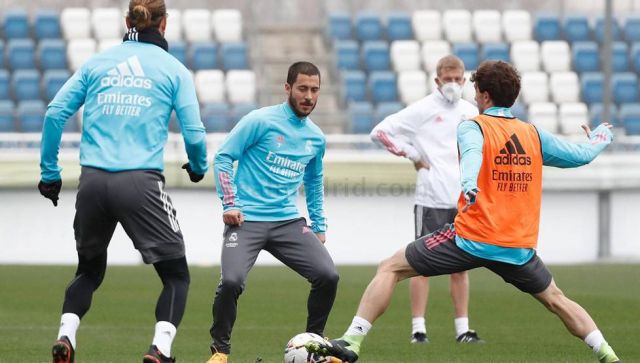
145	14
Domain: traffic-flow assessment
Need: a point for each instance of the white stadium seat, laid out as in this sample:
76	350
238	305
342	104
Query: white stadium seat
76	23
210	85
544	115
572	116
525	55
487	26
108	23
433	86
516	25
535	87
468	90
173	32
432	51
79	51
197	25
564	87
412	86
405	55
457	25
105	44
227	25
555	55
427	25
241	86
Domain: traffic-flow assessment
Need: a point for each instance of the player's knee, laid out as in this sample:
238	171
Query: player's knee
327	277
459	277
231	284
175	271
554	299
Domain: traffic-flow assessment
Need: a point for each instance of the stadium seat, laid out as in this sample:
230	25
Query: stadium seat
525	55
457	25
632	28
519	111
544	115
79	51
52	81
586	57
375	55
368	27
52	54
30	115
210	85
15	24
564	87
227	25
354	86
495	51
21	54
635	56
535	87
197	25
599	29
26	84
384	109
203	55
412	86
339	26
215	117
624	87
76	23
105	44
5	84
620	59
547	27
555	56
630	118
399	26
468	52
571	116
405	55
432	51
234	55
173	32
427	25
383	86
596	115
108	23
241	86
6	116
516	25
487	26
576	29
347	53
178	49
2	47
468	89
240	110
592	87
361	116
431	81
46	24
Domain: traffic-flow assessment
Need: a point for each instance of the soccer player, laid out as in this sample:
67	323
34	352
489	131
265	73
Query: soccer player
128	94
425	133
278	148
501	161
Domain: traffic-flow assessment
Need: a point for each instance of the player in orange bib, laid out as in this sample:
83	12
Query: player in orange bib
501	161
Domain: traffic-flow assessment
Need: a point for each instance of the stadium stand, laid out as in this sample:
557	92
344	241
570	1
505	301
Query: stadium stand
368	27
432	51
21	54
210	86
361	116
631	28
234	55
52	54
555	56
487	26
535	87
4	84
385	109
215	117
203	55
2	62
26	84
412	86
399	26
525	55
6	116
620	57
339	27
544	115
30	115
571	116
197	25
46	24
547	27
75	23
382	86
347	54
79	51
468	52
564	87
427	25
630	118
457	25
178	49
227	25
173	32
496	51
241	87
52	81
107	23
596	115
15	24
599	29
375	55
586	57
354	86
624	87
592	85
405	55
519	24
576	28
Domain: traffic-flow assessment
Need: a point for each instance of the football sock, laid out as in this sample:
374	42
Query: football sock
418	326
462	325
594	340
69	323
601	348
355	334
163	337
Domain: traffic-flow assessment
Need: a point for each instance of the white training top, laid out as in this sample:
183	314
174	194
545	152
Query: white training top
426	130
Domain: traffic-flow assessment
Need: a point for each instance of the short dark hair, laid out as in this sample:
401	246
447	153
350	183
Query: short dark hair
296	68
500	79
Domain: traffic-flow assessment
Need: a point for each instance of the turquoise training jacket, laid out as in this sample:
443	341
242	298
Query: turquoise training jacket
277	152
128	93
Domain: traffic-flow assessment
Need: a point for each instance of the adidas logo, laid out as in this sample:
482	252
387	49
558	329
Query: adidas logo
128	74
512	153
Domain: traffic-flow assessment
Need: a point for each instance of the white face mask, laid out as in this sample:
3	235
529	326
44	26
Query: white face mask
452	91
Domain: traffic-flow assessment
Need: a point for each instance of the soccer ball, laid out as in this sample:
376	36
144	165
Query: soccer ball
295	352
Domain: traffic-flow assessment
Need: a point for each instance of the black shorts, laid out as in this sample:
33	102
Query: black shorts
138	201
428	219
438	254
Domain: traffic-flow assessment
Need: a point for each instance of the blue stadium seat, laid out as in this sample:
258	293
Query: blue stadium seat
361	116
592	84
339	26
178	49
21	54
239	110
203	55
30	115
6	116
375	55
354	86
596	115
547	27
496	51
46	24
52	54
16	24
215	117
586	57
2	62
383	86
234	55
576	29
624	87
4	84
368	27
620	59
632	28
384	109
26	84
399	27
599	29
347	54
519	111
468	52
52	81
630	118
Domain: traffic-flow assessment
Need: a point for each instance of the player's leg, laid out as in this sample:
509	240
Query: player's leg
419	285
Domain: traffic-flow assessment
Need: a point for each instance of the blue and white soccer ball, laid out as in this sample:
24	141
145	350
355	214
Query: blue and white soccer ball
295	352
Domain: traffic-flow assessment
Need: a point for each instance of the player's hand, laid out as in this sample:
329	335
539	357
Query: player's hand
596	138
322	237
233	217
195	177
420	164
50	190
470	199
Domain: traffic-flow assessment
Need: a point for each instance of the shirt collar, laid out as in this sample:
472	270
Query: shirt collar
291	114
498	112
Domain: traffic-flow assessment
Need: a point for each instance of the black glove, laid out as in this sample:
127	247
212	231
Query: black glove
50	190
195	177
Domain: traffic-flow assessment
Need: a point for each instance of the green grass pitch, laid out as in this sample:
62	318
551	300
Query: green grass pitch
119	327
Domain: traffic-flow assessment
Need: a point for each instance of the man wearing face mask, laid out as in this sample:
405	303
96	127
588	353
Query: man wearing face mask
425	133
